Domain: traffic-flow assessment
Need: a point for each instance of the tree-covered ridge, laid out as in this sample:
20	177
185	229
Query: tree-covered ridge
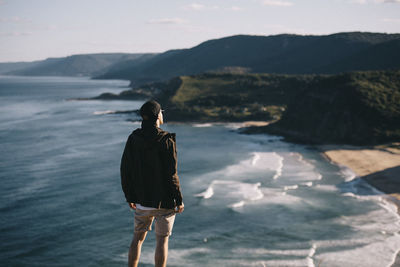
355	108
284	54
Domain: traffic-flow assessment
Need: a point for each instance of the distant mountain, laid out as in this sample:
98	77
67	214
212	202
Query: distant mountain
76	65
285	53
15	66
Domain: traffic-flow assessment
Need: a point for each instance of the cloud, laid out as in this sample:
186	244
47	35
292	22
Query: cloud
236	8
391	20
276	3
14	34
167	21
362	2
199	7
195	6
14	20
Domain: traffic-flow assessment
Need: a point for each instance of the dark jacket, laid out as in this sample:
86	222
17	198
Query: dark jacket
149	168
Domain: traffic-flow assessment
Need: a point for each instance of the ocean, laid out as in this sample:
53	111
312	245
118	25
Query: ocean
250	200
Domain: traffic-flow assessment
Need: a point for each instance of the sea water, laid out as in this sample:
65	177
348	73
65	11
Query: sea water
250	200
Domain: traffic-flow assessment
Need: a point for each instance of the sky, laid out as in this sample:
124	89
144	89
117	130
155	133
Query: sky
38	29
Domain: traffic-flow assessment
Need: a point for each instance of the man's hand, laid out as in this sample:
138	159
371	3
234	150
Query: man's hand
180	208
132	206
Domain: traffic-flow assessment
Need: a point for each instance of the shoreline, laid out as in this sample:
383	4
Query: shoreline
379	166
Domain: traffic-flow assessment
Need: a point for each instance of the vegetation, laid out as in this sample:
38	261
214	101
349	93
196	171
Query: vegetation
284	54
353	108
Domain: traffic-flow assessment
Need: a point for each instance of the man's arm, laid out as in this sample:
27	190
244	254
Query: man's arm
173	178
126	171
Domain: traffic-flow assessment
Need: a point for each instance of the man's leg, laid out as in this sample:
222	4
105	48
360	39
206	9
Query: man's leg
161	254
136	247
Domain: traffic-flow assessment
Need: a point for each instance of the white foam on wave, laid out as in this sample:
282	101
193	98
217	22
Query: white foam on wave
290	187
297	257
301	159
238	204
309	184
258	164
347	173
202	125
104	112
280	167
256	157
206	194
176	257
236	194
366	252
311	253
277	196
298	169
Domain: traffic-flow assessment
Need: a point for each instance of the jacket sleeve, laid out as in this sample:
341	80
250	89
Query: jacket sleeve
126	170
173	178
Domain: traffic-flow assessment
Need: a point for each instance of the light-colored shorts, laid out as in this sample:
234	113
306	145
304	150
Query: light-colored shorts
164	221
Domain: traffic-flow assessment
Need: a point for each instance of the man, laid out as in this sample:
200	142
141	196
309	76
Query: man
150	182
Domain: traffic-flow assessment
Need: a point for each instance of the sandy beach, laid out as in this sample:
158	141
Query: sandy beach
379	165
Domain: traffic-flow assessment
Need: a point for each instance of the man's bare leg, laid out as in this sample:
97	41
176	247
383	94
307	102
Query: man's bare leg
136	247
161	254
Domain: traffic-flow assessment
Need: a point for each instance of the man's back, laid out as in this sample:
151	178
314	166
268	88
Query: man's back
149	169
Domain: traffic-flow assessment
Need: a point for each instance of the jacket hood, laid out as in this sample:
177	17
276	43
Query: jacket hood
150	131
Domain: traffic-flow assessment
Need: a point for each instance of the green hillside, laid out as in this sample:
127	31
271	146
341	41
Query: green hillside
232	97
355	108
352	108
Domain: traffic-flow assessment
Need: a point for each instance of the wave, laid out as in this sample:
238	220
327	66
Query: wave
280	167
290	187
347	173
233	185
259	162
234	194
104	112
202	125
300	256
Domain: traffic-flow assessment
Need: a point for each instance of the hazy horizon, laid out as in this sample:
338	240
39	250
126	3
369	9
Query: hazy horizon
36	30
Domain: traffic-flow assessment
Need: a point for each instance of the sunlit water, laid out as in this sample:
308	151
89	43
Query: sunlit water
249	200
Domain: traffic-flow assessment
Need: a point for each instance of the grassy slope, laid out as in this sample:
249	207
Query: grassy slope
356	108
353	108
232	97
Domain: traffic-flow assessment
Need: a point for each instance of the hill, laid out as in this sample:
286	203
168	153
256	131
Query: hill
7	67
284	54
349	108
76	65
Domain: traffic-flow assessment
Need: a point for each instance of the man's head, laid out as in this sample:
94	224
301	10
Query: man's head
151	111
